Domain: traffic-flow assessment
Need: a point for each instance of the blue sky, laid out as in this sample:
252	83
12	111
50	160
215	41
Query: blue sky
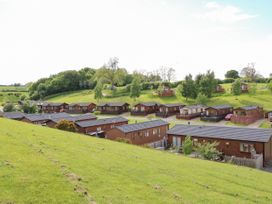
43	37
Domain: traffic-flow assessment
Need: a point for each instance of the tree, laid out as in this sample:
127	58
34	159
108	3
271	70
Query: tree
179	90
202	99
9	107
207	84
135	89
66	125
249	72
232	74
187	146
208	150
170	75
98	91
188	89
236	87
110	73
29	108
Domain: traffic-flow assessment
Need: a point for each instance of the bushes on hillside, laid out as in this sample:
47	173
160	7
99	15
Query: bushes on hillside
9	107
187	146
66	125
236	87
207	150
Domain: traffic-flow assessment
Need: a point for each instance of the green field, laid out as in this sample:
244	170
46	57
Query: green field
11	93
43	165
263	97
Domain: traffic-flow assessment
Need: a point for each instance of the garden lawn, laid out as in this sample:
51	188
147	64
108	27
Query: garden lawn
43	165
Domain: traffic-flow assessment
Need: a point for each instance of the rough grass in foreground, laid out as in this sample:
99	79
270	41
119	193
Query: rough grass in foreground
43	165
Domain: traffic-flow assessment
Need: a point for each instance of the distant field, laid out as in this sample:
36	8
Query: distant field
263	97
11	93
43	165
13	88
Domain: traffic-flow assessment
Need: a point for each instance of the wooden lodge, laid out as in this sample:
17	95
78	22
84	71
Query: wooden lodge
53	107
79	108
152	133
166	92
144	108
166	110
42	119
13	115
233	141
216	113
78	118
244	87
101	126
191	111
219	89
247	115
113	108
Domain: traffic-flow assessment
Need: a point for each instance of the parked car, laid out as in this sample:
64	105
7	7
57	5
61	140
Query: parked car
228	117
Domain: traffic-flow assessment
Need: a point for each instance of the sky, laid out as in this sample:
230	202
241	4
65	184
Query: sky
43	37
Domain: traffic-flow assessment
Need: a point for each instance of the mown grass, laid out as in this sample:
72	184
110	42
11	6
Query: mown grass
262	97
43	165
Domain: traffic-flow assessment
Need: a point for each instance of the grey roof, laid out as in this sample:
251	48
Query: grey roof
39	117
195	106
141	126
77	118
52	104
14	115
248	107
218	107
101	121
148	104
172	104
80	104
222	132
114	104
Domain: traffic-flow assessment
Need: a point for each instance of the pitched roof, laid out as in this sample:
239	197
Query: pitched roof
101	122
114	104
87	116
80	104
13	115
248	107
45	116
222	132
52	104
219	107
148	104
172	104
141	126
195	106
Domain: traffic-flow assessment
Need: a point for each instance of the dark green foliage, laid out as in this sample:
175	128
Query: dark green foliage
9	107
98	91
207	84
236	87
135	88
187	146
27	107
63	81
232	74
188	89
208	150
66	125
269	86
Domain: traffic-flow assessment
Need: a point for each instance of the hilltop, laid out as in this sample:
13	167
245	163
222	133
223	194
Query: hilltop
43	165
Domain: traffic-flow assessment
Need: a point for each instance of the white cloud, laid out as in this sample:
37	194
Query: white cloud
224	13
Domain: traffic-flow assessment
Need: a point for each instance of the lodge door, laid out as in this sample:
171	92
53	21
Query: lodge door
176	141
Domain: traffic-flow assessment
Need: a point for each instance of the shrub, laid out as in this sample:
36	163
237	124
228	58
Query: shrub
8	107
187	146
208	150
66	125
202	99
96	112
236	87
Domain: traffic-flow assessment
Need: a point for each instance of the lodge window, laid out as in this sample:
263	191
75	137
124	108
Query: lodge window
155	131
98	129
112	126
244	147
146	133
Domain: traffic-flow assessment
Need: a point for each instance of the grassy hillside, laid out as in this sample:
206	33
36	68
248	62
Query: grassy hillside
263	97
42	165
11	93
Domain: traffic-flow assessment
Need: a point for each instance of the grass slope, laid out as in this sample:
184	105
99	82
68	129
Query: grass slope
42	165
263	97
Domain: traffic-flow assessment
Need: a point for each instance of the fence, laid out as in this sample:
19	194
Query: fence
255	162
